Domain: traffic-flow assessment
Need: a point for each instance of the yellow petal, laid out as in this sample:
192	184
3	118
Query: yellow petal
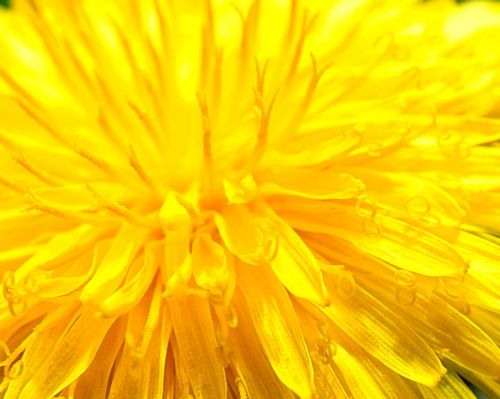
359	380
240	192
487	321
327	382
179	279
195	336
65	361
313	184
466	341
483	253
367	378
376	329
451	386
62	248
131	292
489	386
444	326
296	266
240	233
413	196
52	287
210	267
141	368
277	326
176	223
115	264
173	215
93	384
398	242
249	358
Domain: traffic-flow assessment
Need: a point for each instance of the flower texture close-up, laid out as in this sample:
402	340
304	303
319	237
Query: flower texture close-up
215	199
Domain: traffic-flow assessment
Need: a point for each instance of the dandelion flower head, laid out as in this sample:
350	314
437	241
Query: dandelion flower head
249	199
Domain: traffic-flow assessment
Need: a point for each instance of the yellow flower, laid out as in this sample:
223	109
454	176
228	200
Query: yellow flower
249	199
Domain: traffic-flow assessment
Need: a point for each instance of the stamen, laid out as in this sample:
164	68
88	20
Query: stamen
94	160
145	119
163	21
78	65
307	25
11	185
39	204
44	32
217	80
293	18
250	28
105	91
105	124
19	158
45	125
16	87
306	101
129	53
207	138
134	162
262	134
208	44
155	57
124	212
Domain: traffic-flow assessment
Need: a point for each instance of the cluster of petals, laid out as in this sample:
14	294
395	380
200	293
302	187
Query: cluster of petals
262	199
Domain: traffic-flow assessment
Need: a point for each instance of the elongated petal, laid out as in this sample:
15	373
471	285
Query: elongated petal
327	382
93	384
366	380
451	386
67	360
483	253
115	264
395	241
61	248
128	295
277	326
53	287
375	328
444	326
210	267
250	362
141	375
296	266
194	333
241	234
176	224
324	184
